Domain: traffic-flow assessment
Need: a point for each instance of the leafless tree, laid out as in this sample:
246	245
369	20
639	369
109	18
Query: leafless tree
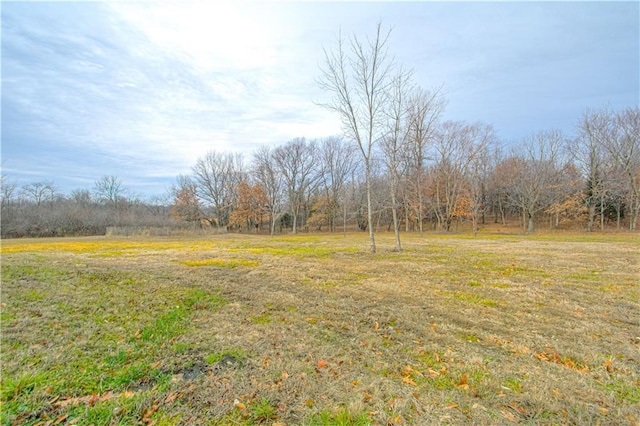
359	74
477	174
8	189
216	176
625	150
109	190
536	171
265	172
457	149
394	143
39	192
590	154
424	111
337	166
296	162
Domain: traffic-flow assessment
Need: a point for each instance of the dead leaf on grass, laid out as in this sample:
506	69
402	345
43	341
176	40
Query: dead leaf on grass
433	373
463	383
509	416
88	399
408	381
551	355
147	413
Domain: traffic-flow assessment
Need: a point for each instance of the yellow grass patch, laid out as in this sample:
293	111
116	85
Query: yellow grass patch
222	263
108	248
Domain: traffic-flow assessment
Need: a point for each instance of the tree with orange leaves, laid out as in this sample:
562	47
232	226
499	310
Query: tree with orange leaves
250	206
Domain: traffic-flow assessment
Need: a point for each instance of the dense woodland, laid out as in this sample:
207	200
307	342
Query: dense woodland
399	166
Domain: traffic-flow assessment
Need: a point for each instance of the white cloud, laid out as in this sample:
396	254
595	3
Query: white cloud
215	36
147	87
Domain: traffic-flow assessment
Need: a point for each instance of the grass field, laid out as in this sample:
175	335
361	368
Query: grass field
314	330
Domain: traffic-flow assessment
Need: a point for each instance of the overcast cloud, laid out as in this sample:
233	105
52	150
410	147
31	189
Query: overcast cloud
141	90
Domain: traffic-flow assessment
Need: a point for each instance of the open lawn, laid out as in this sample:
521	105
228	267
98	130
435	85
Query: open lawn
314	330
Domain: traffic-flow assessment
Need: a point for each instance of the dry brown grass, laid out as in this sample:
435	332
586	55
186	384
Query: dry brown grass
312	329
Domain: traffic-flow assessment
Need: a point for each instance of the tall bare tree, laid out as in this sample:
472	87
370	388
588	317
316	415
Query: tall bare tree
216	176
458	149
536	171
359	75
424	111
296	162
589	151
625	149
266	173
477	173
110	190
338	165
394	143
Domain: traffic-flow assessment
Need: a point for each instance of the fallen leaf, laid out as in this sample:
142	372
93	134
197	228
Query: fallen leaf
408	381
463	383
239	405
172	397
509	416
322	363
61	418
541	356
147	413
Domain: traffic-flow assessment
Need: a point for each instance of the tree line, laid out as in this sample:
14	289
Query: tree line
456	172
398	166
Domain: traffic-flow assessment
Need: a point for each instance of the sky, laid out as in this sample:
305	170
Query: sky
141	90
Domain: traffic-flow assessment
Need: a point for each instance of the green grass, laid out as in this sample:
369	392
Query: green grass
90	343
340	417
472	298
232	356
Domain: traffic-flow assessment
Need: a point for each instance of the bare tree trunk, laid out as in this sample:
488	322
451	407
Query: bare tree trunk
406	218
601	215
530	226
396	223
420	214
344	218
372	239
359	81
